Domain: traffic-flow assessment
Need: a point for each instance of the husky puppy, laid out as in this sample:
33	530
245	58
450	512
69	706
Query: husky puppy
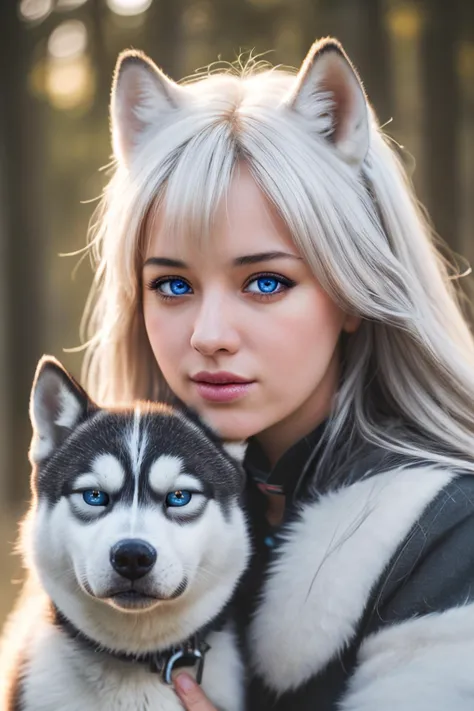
134	543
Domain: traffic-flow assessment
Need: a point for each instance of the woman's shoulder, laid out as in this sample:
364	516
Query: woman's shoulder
376	560
433	566
416	639
453	506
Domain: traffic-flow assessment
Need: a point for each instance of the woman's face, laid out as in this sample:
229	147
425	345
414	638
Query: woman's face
246	306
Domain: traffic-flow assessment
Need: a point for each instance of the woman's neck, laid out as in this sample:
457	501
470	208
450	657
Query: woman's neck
278	438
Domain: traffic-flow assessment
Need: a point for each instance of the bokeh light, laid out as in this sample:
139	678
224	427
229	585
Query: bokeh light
465	61
129	7
35	10
405	21
68	40
70	83
67	5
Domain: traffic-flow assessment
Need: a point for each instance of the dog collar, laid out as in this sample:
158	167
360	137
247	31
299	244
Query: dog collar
190	653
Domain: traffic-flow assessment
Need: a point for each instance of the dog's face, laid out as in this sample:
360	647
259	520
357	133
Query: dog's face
133	508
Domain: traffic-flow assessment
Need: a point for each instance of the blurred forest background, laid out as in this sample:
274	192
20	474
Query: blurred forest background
416	58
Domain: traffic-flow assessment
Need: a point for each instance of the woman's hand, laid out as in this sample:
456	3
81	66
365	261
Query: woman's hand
191	695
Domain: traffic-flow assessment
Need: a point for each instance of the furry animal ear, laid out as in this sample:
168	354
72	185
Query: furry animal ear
142	97
57	405
329	93
236	450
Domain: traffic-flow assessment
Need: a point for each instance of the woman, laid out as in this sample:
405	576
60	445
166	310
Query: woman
262	259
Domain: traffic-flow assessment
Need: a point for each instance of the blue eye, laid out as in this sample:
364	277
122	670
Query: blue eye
175	287
94	497
178	498
267	284
178	286
270	284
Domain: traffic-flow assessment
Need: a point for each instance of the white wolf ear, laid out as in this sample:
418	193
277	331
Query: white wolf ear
142	97
236	450
57	405
329	93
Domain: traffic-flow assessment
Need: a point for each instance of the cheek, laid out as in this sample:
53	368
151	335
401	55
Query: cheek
207	546
62	546
50	534
305	330
61	541
163	333
322	328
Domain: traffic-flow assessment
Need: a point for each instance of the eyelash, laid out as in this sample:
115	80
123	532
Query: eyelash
154	285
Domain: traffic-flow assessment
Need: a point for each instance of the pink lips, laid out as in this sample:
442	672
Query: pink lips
221	386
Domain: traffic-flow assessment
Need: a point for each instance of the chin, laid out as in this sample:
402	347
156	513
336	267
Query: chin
133	602
237	426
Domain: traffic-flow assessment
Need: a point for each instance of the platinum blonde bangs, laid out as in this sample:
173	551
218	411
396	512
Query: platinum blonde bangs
407	378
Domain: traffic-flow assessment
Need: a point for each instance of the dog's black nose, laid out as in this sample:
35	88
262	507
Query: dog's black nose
132	558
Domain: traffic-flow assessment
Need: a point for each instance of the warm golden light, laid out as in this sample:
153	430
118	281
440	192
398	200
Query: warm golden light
465	60
70	83
405	21
129	7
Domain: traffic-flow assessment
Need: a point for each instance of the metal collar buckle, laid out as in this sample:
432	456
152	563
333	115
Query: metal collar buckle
189	654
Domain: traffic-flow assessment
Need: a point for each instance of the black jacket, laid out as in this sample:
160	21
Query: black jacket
362	600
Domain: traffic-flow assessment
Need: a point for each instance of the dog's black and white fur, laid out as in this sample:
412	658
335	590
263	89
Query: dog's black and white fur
135	540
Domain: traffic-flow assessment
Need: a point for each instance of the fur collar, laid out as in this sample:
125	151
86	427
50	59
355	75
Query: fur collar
329	559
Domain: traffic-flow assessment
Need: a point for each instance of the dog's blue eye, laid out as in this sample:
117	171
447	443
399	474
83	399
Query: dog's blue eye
178	498
94	497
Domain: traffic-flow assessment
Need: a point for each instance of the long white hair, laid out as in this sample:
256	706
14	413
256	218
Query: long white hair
312	143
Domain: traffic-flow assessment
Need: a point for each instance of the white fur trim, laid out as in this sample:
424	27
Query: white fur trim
224	672
419	665
331	557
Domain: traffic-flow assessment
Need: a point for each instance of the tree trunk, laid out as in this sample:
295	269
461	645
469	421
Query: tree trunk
22	244
441	117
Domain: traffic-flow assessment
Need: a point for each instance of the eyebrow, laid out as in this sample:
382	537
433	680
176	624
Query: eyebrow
237	262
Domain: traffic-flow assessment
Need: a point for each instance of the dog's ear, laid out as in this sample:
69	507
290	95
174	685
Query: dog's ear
236	450
143	97
329	95
57	405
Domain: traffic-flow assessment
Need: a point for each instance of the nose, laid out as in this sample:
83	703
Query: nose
132	558
213	330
